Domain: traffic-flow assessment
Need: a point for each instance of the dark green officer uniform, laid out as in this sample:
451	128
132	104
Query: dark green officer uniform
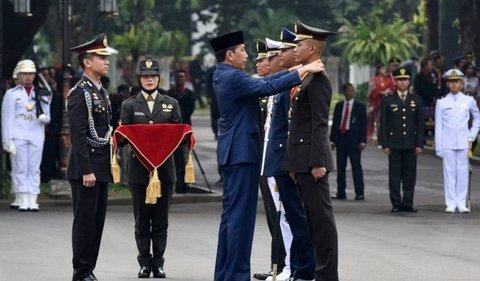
401	128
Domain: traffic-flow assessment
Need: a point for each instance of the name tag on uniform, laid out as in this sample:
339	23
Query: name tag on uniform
138	113
394	105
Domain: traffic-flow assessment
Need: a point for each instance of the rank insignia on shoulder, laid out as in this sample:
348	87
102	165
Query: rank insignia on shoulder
164	105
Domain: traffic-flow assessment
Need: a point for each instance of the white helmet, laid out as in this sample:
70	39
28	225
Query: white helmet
15	72
26	66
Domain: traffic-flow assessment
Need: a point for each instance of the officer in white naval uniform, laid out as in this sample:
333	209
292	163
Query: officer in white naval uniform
452	139
25	112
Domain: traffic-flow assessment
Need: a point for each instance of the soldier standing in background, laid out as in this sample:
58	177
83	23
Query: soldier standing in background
401	126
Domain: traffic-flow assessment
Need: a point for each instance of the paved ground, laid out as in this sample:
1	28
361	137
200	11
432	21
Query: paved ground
374	244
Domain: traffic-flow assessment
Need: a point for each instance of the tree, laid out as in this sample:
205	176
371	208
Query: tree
371	41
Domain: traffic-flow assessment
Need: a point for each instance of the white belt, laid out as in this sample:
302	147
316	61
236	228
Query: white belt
25	117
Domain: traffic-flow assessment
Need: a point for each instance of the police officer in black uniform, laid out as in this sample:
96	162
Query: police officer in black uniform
88	169
401	127
151	220
309	156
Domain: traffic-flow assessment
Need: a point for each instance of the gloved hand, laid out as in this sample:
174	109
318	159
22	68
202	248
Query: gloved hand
44	118
9	146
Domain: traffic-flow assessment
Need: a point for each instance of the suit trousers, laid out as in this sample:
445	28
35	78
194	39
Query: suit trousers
277	250
455	175
320	220
89	209
235	235
302	259
402	171
346	150
151	224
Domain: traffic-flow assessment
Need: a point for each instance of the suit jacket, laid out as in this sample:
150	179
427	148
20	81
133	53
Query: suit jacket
451	122
358	124
84	158
402	124
308	142
277	136
237	94
135	111
186	101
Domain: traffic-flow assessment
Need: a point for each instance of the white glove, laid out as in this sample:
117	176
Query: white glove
439	153
44	118
9	146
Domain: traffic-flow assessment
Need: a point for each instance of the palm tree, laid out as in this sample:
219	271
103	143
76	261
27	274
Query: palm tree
371	41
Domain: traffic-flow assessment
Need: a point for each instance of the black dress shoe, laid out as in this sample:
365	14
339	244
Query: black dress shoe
395	210
158	272
88	278
410	209
262	276
144	272
339	197
359	197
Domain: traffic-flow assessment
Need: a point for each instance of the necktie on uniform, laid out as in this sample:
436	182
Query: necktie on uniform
403	96
343	128
150	102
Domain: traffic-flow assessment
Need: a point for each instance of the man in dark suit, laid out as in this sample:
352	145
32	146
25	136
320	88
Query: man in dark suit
309	156
151	220
186	101
348	136
401	127
88	171
238	149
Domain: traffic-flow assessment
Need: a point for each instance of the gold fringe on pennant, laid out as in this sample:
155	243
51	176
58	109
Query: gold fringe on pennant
154	188
189	170
115	169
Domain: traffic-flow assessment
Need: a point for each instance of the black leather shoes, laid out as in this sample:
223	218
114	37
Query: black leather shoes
144	272
93	277
359	197
262	276
339	197
410	209
158	272
395	210
88	278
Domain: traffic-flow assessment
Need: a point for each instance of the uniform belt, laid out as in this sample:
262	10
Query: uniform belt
25	117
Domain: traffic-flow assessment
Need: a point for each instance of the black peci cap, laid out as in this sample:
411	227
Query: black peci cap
225	41
97	46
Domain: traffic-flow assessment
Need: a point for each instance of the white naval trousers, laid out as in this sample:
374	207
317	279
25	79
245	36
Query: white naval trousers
455	177
26	166
284	226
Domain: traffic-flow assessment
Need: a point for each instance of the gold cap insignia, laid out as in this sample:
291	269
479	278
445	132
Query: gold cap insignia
402	71
454	73
296	28
105	42
148	63
281	36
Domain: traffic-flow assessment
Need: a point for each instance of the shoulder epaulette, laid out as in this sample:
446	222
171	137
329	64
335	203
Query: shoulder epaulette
128	99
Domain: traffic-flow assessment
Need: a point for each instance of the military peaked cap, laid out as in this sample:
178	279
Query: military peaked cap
453	74
304	31
97	46
273	47
261	50
401	73
148	67
288	39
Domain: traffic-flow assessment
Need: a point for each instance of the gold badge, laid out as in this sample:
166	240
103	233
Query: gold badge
148	63
453	74
164	105
29	106
105	42
402	71
281	36
296	28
